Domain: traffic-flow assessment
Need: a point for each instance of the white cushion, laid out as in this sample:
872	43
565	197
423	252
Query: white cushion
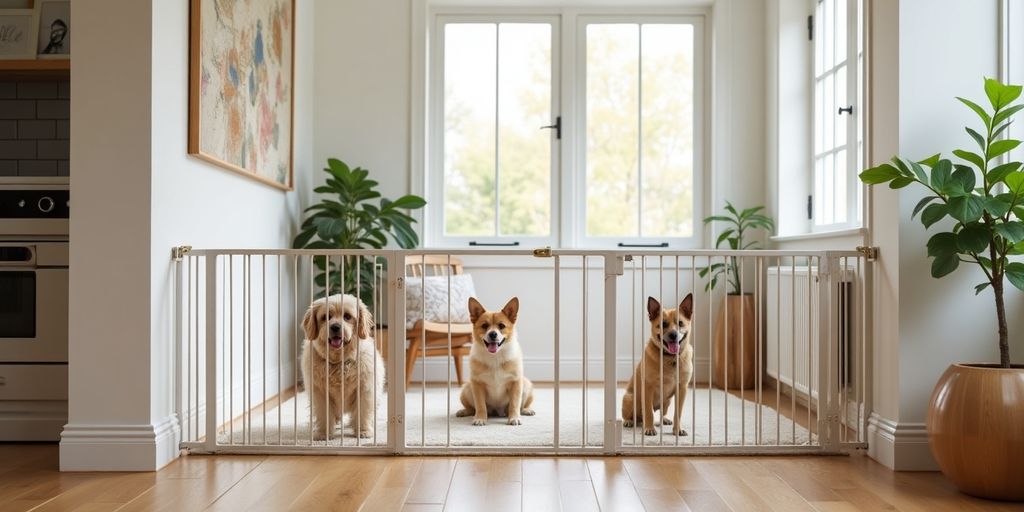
436	298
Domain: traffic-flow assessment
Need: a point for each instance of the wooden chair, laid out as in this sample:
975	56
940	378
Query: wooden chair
435	341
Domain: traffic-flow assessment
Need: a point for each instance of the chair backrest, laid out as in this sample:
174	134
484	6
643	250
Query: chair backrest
432	265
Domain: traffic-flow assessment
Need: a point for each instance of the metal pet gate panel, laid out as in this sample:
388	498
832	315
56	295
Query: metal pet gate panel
791	326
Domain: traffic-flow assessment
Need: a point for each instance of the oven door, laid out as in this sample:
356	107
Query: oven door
33	307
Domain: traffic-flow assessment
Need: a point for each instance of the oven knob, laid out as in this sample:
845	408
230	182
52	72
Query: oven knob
46	204
21	203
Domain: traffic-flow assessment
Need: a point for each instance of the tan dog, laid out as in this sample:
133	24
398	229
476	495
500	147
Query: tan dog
665	369
338	361
496	383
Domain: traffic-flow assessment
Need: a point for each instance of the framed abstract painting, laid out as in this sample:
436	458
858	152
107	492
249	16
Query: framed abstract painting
241	75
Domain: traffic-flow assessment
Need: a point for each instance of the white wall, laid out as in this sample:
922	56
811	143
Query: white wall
363	87
137	194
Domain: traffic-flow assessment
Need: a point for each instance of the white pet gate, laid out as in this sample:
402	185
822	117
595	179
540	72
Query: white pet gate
583	326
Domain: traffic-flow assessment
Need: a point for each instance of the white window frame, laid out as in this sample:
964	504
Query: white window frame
854	129
568	169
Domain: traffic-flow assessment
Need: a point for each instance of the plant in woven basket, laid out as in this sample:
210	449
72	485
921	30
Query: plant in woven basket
355	217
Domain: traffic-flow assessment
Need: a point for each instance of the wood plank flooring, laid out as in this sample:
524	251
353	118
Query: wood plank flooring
29	480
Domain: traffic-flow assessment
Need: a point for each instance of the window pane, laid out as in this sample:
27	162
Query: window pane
828	190
840	184
829	108
524	151
828	35
841	101
469	128
612	112
840	32
666	163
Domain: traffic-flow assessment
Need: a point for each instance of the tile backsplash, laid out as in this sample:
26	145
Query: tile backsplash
34	129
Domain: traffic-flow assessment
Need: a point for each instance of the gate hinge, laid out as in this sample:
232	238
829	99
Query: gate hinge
544	252
179	252
871	253
400	283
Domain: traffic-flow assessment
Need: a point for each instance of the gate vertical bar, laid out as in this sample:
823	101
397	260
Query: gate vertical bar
826	433
396	386
178	405
867	331
211	352
613	268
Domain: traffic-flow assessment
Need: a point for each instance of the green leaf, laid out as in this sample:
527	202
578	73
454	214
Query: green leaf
409	202
919	172
1001	146
902	167
1017	249
981	287
974	238
961	182
881	174
973	158
933	213
1012	231
1019	212
999	129
996	207
1000	95
1015	273
921	204
730	208
1015	182
977	137
1000	172
931	161
977	110
966	209
940	174
944	265
720	218
303	238
1005	114
328	228
750	211
943	243
900	182
725	234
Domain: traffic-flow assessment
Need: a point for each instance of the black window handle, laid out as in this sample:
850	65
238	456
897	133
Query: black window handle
474	243
557	127
663	244
846	110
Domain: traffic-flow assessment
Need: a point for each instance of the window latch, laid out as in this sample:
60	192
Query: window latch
474	243
652	246
557	127
846	110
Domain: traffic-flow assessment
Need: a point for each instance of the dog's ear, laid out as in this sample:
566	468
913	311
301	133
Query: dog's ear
309	323
511	310
476	310
365	321
653	308
686	307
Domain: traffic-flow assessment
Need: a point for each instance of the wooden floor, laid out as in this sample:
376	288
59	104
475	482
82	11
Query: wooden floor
29	480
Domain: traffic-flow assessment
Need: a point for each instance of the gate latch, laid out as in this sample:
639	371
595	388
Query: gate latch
544	252
871	253
180	251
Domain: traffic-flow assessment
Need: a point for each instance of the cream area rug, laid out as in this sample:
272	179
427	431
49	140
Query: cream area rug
710	418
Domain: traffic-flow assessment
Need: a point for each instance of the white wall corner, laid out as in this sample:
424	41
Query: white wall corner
146	447
900	446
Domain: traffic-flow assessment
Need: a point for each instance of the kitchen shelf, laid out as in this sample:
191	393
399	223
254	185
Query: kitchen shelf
42	69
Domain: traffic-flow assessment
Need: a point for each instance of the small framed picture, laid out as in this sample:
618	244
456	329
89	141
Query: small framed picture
17	34
54	39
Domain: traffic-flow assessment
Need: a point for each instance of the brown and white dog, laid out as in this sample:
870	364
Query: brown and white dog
338	361
665	369
496	386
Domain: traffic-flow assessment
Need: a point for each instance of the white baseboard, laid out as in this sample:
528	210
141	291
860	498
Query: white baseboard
542	369
146	447
901	446
32	420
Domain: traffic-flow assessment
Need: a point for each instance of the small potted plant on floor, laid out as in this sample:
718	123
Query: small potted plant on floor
976	415
734	330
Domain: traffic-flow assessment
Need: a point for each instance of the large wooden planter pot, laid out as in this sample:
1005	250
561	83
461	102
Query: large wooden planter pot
976	429
735	329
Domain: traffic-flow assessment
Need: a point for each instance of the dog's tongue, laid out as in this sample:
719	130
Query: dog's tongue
673	348
336	342
492	347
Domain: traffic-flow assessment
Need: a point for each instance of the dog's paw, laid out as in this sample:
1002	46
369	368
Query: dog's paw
479	422
679	432
514	421
528	412
319	436
366	434
627	423
666	421
650	432
462	413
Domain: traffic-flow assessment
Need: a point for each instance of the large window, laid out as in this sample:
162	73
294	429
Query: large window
837	126
619	166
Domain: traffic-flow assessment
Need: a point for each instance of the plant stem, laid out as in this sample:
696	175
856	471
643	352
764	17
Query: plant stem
1004	345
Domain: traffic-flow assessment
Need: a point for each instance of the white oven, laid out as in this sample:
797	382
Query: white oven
33	302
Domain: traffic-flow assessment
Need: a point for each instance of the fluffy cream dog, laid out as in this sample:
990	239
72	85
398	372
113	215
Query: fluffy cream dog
496	384
338	361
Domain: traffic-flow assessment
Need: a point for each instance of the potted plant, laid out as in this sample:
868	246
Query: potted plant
351	219
735	338
976	415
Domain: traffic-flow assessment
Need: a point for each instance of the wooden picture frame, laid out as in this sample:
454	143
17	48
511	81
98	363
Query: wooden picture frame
54	31
241	88
23	25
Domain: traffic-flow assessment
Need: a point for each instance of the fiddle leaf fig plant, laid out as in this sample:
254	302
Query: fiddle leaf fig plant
983	197
351	219
740	223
